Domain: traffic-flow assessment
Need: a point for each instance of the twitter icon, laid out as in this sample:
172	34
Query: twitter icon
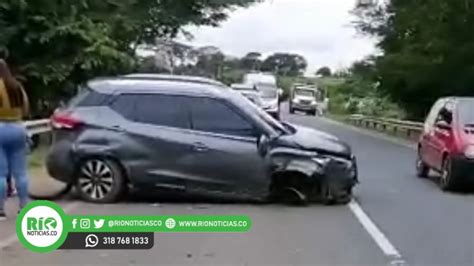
98	223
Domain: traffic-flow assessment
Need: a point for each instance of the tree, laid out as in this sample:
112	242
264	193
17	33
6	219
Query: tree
211	64
56	44
251	61
285	64
424	57
324	71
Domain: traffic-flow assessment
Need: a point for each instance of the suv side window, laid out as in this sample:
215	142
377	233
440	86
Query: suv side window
210	115
153	109
124	104
161	110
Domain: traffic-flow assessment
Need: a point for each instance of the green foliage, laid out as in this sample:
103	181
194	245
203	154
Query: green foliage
251	61
285	64
55	44
324	71
360	95
285	83
428	49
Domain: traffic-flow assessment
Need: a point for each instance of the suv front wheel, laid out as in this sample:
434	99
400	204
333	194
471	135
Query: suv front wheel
100	181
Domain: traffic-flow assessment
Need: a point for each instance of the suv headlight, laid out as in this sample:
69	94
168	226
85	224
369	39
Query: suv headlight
320	160
469	152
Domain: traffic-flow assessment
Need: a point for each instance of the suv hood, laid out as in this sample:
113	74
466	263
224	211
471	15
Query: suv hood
315	140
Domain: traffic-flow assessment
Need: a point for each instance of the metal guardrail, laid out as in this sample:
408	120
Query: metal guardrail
35	127
410	128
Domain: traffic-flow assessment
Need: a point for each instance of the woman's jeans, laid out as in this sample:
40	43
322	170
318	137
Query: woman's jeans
13	149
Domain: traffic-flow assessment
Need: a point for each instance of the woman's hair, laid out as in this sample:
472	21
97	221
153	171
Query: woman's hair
3	53
12	85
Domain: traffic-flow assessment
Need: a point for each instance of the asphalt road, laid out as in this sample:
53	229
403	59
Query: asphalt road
403	214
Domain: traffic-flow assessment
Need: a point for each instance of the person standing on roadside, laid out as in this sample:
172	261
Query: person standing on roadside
14	106
10	186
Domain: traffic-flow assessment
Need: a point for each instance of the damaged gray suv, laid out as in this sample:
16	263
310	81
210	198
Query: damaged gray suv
191	135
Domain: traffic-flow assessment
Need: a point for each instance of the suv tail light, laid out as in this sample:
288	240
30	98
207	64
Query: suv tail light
64	120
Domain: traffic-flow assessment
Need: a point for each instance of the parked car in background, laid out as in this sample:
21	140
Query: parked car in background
304	99
194	137
270	94
447	143
270	99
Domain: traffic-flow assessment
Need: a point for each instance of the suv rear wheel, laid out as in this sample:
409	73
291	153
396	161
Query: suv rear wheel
100	181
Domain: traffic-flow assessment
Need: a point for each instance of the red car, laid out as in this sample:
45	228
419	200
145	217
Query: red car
447	142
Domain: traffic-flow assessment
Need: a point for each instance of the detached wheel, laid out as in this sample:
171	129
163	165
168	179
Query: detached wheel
100	181
422	170
447	181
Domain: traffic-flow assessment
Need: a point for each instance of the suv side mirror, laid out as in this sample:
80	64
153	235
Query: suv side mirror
443	125
262	145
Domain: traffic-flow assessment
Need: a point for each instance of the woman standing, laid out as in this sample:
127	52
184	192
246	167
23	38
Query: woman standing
14	107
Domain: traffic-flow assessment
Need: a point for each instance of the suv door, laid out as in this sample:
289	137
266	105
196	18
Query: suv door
225	154
156	140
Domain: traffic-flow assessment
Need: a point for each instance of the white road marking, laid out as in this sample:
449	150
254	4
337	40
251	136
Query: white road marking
377	235
380	239
13	238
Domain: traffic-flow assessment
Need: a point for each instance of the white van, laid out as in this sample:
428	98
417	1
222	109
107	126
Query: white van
266	84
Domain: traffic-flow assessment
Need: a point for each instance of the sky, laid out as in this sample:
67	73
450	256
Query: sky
320	30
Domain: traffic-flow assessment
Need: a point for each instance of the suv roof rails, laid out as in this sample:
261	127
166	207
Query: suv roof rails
166	77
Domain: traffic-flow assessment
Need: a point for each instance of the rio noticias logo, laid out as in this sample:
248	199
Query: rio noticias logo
40	226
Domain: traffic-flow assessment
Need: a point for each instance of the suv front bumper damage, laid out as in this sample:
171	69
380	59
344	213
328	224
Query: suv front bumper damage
338	175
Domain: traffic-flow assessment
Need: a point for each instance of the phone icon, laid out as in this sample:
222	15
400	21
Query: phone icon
92	241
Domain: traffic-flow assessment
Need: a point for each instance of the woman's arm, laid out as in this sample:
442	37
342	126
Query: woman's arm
26	103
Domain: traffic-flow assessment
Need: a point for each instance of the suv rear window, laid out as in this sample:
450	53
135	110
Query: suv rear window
153	109
87	97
